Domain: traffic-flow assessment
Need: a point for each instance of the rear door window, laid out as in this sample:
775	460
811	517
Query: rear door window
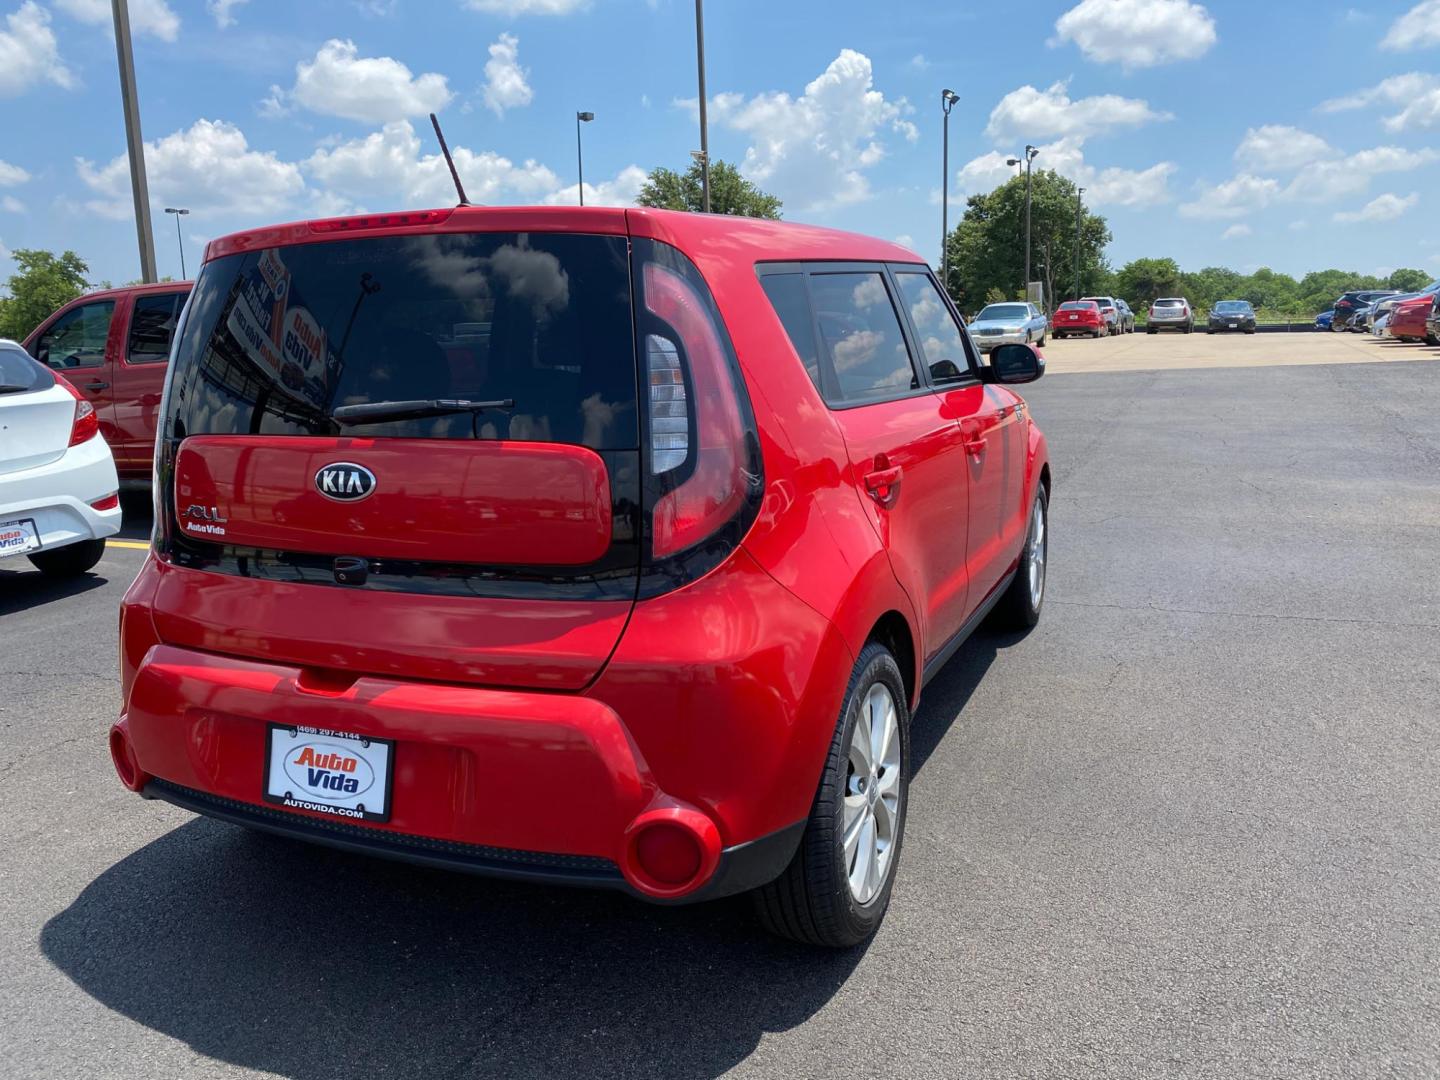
152	326
77	338
860	336
277	339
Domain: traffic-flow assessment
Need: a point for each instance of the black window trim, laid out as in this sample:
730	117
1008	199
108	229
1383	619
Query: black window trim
178	298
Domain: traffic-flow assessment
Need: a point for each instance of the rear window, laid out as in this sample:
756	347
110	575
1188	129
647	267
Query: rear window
19	373
1169	303
277	339
1078	305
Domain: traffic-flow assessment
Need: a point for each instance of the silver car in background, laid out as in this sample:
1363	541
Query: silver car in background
1015	323
1110	310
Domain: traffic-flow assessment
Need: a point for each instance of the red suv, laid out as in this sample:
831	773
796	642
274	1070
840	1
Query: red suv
113	346
597	546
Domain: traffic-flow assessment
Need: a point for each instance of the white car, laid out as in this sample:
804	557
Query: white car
59	495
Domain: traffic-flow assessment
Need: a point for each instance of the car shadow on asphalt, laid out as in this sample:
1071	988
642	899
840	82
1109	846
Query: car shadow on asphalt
305	962
24	589
946	696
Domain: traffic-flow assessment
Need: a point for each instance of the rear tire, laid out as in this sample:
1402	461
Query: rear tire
1019	608
72	560
814	900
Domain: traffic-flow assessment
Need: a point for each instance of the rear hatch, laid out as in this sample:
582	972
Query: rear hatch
415	455
36	414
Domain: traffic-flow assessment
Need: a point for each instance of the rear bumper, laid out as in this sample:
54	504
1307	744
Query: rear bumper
57	496
520	784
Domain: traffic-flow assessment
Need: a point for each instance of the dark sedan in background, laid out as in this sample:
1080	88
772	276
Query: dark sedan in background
1229	315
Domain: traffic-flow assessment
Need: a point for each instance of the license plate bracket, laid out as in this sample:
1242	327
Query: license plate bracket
343	775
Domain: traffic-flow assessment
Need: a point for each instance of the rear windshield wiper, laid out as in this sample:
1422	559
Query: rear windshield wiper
377	412
14	388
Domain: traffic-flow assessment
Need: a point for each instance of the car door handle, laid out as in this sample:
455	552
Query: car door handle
96	384
974	445
883	485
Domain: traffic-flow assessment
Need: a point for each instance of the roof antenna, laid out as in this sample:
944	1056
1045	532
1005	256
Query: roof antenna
444	149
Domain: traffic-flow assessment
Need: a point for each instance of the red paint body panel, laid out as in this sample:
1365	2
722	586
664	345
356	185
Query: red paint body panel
435	500
1408	320
545	644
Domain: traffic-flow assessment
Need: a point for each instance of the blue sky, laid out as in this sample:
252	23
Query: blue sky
1298	135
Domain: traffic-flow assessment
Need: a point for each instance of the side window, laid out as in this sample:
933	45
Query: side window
77	338
860	335
152	325
941	343
788	298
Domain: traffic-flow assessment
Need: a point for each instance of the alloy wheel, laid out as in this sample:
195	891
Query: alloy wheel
872	794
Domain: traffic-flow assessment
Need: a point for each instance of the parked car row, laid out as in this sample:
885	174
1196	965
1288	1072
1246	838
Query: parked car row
1093	316
648	527
1386	313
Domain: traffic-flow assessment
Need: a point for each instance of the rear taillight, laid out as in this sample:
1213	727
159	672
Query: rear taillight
109	502
86	424
702	451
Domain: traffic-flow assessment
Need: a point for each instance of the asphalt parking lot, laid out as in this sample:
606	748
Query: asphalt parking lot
1187	827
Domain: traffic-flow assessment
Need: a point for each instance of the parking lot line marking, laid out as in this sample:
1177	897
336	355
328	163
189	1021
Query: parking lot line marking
136	544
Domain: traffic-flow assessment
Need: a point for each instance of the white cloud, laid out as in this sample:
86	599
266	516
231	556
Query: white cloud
1417	94
1028	113
1137	33
153	17
1278	148
623	190
223	11
513	8
12	205
905	240
1299	226
1327	180
813	151
1109	186
1232	199
1385	207
506	85
339	82
919	62
1235	232
209	168
28	53
1418	28
387	165
12	175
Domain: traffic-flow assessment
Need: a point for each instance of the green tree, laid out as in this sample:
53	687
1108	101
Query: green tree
987	247
1408	280
1143	280
730	193
42	283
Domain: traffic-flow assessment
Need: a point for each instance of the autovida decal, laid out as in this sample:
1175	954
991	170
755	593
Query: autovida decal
329	772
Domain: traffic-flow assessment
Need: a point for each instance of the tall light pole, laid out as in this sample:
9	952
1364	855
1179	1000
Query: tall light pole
130	102
1030	153
1078	192
704	130
948	98
580	117
179	212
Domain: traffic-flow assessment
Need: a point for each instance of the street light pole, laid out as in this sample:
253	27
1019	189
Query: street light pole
1030	153
704	130
130	102
948	98
179	212
1079	191
586	117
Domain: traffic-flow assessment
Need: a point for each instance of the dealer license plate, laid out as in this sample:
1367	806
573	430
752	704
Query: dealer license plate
330	772
1234	326
18	537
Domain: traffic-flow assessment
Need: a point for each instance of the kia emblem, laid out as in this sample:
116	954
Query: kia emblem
344	481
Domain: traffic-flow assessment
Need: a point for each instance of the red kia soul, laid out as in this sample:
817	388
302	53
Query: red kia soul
592	546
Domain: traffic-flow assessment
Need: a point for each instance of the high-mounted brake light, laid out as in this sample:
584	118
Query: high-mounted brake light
86	424
380	221
714	433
